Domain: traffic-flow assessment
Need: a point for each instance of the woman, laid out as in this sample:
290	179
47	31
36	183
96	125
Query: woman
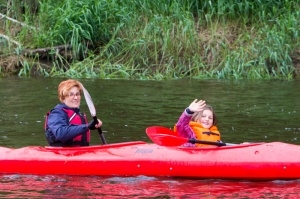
65	125
198	121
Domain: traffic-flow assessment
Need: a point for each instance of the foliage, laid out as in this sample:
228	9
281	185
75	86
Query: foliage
146	39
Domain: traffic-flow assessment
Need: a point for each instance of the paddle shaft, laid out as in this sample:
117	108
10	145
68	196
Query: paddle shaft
100	131
194	141
166	137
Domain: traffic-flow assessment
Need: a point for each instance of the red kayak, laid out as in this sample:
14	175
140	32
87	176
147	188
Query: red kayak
165	157
258	161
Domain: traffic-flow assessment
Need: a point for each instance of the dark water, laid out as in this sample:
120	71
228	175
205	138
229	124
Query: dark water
16	186
252	111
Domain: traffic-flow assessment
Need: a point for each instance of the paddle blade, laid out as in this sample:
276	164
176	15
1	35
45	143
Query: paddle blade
167	140
89	101
153	130
164	136
92	109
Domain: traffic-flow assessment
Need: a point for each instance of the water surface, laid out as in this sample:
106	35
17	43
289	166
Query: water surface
247	111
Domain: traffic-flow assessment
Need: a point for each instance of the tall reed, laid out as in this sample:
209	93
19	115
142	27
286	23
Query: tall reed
164	39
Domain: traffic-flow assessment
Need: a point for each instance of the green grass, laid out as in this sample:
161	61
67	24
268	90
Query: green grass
166	39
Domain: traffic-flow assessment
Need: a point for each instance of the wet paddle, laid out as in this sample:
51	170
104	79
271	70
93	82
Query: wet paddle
166	137
92	109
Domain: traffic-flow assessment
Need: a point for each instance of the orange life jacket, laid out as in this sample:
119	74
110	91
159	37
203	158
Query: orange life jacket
212	134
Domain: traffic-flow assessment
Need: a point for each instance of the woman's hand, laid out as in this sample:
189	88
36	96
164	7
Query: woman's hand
197	106
99	124
93	125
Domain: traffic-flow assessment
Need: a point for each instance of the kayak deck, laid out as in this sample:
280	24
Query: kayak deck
257	161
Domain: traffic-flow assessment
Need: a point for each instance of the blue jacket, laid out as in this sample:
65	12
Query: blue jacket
59	130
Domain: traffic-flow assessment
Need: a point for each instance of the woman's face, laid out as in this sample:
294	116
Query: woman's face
207	119
72	100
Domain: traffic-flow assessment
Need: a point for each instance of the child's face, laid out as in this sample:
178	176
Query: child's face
207	119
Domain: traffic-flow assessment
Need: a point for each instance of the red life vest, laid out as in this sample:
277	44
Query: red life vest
75	118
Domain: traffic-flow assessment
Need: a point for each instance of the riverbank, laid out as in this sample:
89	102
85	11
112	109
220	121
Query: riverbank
154	40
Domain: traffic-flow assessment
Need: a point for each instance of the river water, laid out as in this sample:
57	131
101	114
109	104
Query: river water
247	111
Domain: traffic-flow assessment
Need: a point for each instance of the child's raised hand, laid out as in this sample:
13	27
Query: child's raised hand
197	106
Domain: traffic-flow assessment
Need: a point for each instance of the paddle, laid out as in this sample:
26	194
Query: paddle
166	137
92	109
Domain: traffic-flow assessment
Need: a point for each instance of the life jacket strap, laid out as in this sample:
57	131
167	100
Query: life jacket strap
84	135
210	133
72	117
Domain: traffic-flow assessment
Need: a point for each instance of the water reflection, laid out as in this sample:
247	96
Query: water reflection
141	187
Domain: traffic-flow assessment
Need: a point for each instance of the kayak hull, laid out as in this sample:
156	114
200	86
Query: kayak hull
260	161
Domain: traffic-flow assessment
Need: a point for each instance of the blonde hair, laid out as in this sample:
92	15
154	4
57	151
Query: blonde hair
197	115
65	86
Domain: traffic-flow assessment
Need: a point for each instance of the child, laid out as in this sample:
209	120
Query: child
198	122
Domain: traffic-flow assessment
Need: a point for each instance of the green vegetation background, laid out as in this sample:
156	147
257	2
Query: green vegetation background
149	39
